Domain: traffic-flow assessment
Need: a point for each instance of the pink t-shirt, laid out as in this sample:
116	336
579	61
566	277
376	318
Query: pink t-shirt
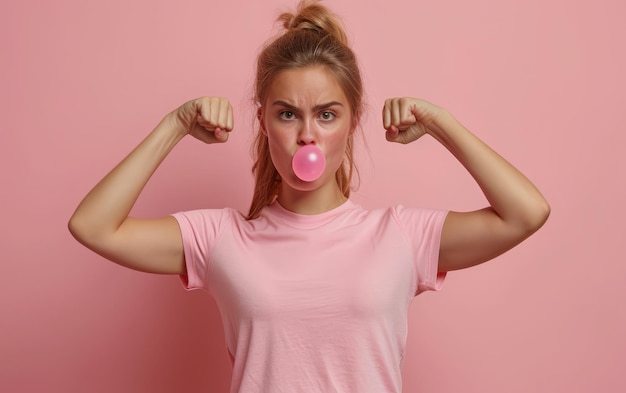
314	303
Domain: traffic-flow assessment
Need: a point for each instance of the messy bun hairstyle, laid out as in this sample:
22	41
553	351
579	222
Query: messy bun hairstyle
313	36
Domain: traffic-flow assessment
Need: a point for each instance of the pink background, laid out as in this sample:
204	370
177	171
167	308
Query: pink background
82	82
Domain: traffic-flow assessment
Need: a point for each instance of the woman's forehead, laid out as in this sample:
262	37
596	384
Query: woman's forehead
306	88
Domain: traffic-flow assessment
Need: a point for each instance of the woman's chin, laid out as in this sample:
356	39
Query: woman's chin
305	185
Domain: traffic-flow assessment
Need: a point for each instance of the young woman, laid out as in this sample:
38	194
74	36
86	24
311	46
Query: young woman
313	290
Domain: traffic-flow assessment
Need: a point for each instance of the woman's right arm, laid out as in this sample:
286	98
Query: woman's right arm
101	221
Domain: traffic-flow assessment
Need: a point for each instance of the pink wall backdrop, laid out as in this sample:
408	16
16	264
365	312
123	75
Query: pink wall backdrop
82	82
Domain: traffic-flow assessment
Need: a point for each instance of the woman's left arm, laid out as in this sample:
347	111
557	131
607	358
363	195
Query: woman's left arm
517	209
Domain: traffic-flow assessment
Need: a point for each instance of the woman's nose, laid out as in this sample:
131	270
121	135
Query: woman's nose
307	135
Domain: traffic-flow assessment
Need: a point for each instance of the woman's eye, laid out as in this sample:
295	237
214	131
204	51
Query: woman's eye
327	115
287	115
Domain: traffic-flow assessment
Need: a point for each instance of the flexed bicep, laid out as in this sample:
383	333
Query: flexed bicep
149	245
471	238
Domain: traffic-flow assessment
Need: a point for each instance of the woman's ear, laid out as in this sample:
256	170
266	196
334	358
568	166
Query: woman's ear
353	126
259	116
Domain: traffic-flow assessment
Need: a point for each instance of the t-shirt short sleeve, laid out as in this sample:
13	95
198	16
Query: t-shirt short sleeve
199	230
423	229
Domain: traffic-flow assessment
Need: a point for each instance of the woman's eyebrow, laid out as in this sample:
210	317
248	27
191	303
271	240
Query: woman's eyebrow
315	108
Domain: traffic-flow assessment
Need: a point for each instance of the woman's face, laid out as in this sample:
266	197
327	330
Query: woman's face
306	106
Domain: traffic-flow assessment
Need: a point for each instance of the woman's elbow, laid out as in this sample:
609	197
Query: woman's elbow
81	231
537	216
77	230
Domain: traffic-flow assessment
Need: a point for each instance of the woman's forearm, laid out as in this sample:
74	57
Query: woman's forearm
511	195
101	221
108	204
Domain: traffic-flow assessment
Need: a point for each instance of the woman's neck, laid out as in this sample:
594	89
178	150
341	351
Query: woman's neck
316	201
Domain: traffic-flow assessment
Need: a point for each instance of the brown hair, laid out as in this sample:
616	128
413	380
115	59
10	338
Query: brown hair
313	36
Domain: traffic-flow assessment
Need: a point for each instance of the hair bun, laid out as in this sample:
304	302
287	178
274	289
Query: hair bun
310	15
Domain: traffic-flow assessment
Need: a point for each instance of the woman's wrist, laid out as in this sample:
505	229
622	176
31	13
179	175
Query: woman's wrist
171	128
442	123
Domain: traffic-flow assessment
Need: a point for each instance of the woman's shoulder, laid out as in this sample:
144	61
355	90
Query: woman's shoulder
215	216
397	210
405	215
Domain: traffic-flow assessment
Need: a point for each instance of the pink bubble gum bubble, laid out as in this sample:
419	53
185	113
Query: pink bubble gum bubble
308	163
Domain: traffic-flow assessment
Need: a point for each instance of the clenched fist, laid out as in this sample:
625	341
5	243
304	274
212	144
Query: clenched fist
407	119
209	119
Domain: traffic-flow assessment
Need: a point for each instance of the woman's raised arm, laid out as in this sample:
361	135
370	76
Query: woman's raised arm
517	209
101	221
